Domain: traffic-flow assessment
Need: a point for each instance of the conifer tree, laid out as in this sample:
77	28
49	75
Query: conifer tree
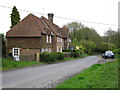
15	17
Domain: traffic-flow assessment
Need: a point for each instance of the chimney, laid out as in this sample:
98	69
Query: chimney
50	17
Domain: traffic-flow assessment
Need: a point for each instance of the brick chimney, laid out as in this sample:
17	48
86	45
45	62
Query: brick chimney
50	17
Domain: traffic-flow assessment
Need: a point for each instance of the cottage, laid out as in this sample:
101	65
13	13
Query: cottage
33	35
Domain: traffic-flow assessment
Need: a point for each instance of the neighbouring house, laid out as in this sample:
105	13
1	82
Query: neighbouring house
33	35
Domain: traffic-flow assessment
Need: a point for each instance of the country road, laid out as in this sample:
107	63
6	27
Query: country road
45	75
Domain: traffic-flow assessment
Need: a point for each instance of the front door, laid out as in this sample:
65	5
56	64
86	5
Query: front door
16	53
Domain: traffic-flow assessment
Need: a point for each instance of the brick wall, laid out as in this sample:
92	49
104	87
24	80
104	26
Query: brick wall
28	54
23	42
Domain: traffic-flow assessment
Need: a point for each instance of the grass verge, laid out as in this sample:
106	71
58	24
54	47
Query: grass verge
8	64
97	76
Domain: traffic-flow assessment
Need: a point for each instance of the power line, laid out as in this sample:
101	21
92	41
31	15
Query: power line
63	17
86	21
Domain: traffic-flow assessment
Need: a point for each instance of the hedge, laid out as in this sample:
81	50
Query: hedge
51	56
75	52
67	50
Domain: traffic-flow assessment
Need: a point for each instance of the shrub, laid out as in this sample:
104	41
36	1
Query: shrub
117	51
67	54
75	53
44	56
60	55
51	56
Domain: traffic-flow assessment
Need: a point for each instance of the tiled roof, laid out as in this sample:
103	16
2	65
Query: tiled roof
32	26
28	27
54	28
65	31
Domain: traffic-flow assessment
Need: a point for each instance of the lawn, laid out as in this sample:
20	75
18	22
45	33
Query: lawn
11	64
97	76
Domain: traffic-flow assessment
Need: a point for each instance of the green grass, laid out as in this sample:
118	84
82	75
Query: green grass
0	64
97	76
8	63
11	64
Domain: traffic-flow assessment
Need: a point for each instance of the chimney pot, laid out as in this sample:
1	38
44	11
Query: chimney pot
50	17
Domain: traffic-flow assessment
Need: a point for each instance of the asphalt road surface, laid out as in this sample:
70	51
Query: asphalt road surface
45	76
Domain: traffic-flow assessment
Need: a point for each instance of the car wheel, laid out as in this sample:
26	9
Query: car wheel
112	57
105	57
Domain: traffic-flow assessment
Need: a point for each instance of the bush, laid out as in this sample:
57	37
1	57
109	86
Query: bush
51	56
67	54
117	51
44	56
75	53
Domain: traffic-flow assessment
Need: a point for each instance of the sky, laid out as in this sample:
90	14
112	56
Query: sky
88	12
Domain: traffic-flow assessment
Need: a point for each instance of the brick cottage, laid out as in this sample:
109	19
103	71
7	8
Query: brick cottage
33	35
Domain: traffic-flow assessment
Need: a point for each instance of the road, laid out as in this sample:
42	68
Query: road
45	75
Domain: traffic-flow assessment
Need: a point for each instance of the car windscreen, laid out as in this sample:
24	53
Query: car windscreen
108	52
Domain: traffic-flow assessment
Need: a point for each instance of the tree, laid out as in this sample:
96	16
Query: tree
74	26
80	32
89	45
75	42
112	36
15	17
104	46
2	46
83	33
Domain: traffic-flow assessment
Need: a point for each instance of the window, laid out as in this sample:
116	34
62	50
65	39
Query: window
47	38
50	39
58	39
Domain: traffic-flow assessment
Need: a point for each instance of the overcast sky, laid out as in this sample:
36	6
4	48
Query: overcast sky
100	11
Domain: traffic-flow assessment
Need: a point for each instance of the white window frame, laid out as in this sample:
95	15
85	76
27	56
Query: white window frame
50	38
47	38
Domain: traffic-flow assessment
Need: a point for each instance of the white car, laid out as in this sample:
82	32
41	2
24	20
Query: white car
108	54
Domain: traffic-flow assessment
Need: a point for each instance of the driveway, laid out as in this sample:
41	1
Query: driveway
46	75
